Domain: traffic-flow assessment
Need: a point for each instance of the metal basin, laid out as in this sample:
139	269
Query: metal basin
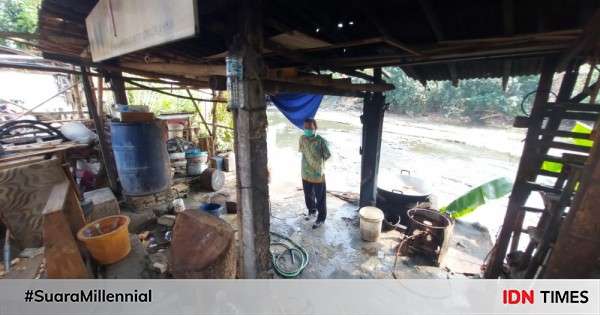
404	193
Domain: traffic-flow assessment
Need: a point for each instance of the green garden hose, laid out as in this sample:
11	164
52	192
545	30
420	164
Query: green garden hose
296	252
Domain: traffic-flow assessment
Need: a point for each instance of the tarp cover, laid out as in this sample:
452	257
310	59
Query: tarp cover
296	107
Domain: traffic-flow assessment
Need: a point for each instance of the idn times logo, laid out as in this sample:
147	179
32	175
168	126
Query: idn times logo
514	296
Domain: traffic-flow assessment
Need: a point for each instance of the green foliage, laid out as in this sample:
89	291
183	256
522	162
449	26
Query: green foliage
475	99
478	196
18	16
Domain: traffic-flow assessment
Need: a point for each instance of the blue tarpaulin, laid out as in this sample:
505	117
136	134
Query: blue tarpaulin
296	107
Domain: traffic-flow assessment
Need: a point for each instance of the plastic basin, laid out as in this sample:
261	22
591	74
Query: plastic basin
107	239
212	208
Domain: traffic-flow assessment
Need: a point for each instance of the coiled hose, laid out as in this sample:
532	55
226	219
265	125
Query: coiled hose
296	252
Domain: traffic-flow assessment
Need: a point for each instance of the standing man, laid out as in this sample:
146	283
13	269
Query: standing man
315	152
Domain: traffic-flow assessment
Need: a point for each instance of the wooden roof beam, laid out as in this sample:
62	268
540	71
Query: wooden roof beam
383	30
196	70
588	38
432	19
508	14
439	35
301	58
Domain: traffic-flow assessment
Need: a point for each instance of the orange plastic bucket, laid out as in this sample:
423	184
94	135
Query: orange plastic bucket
107	239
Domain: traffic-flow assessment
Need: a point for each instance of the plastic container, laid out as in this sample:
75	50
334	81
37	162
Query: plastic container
212	208
218	162
141	157
195	164
371	219
107	239
175	130
204	157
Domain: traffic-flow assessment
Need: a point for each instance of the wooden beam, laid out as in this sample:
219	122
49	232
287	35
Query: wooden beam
199	112
195	70
588	39
117	85
587	91
439	35
432	19
388	38
275	87
298	86
251	142
508	14
63	259
372	119
105	153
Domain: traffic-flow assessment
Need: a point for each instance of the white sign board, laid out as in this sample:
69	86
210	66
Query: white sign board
118	27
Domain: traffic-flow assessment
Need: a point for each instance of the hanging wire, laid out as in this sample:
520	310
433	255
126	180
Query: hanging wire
529	94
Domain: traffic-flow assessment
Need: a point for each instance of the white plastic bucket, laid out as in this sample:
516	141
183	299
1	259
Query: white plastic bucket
371	219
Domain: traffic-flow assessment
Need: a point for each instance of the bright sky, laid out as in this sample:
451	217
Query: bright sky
32	88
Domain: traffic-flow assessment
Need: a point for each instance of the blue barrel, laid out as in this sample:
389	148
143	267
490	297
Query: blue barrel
141	156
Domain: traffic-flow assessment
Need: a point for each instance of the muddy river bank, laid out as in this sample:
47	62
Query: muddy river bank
452	158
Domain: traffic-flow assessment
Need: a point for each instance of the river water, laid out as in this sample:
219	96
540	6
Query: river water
452	158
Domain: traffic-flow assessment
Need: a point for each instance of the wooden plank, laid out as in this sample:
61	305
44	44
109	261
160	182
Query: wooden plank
573	115
113	32
105	153
63	259
57	197
24	192
195	70
130	117
575	106
73	211
569	147
298	40
50	151
588	91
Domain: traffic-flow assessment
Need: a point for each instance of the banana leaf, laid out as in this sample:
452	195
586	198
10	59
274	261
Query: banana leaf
478	196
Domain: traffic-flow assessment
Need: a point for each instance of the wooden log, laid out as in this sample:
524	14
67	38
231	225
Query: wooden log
203	247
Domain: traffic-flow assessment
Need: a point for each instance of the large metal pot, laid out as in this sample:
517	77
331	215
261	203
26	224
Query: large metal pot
403	193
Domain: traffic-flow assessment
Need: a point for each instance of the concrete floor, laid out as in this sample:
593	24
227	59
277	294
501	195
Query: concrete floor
336	250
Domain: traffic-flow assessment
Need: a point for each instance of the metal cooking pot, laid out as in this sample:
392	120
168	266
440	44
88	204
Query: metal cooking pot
402	194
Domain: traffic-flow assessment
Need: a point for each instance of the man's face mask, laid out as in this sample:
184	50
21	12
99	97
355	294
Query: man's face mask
309	132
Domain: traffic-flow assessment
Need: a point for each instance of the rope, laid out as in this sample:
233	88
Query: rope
296	252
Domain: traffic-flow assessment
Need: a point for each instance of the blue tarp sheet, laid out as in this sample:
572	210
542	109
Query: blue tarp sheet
296	107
